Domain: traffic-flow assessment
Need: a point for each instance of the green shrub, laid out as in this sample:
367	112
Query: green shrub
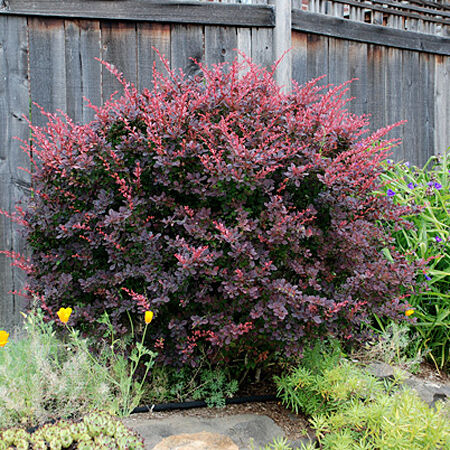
351	409
96	430
428	189
323	383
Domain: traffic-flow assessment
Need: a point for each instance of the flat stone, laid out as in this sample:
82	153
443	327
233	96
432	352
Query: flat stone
245	430
197	441
429	392
381	370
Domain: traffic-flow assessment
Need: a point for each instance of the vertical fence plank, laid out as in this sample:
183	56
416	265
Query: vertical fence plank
186	45
393	95
376	86
282	42
427	127
337	61
317	61
83	71
14	183
412	107
441	104
151	37
47	66
120	49
357	67
244	43
299	57
220	43
262	47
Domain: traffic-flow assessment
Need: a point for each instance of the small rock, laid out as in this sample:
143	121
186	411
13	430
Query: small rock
381	370
197	441
429	392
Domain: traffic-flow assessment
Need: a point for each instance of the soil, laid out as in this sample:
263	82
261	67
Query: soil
428	372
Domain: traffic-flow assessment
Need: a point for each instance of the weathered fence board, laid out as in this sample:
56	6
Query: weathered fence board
203	13
14	182
47	66
376	61
186	48
362	32
83	72
220	43
359	89
426	66
441	104
119	47
317	58
262	47
393	93
151	36
299	57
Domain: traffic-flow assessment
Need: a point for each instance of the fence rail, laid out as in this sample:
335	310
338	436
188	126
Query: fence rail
48	51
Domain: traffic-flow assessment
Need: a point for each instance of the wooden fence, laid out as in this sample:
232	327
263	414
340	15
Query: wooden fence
399	51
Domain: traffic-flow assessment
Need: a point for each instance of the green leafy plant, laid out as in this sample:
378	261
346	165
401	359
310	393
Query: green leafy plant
323	383
95	430
394	345
215	388
42	377
429	239
123	369
351	409
398	421
185	384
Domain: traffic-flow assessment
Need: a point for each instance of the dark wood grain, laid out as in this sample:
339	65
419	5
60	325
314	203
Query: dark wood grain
119	44
371	34
47	66
83	71
170	12
186	47
14	182
151	38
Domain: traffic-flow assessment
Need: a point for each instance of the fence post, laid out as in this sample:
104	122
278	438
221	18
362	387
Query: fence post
282	42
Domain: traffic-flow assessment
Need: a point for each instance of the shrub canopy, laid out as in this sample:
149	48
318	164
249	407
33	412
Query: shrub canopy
242	216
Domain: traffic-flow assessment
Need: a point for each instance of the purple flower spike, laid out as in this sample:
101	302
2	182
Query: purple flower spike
438	185
430	183
438	239
390	193
427	277
411	185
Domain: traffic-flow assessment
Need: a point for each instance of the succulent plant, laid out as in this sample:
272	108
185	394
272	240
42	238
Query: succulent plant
97	430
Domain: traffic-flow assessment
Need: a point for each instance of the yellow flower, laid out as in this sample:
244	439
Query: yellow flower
409	312
64	314
148	316
3	338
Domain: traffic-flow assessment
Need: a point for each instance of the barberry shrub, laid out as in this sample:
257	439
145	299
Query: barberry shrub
242	216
